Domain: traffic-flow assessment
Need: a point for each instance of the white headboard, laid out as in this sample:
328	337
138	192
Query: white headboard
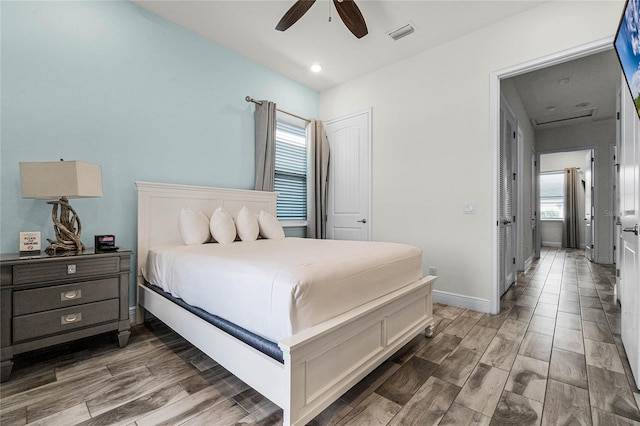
159	205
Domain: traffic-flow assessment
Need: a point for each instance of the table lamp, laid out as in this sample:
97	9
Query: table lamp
59	181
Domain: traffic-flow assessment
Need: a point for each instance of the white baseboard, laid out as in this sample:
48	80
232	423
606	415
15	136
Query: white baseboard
551	244
467	302
604	260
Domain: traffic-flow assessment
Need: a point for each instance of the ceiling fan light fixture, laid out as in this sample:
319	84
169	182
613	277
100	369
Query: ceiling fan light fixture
347	10
403	31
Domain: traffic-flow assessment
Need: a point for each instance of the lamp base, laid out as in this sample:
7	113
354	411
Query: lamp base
67	228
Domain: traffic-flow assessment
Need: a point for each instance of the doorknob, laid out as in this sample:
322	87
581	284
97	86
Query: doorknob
363	221
506	222
633	229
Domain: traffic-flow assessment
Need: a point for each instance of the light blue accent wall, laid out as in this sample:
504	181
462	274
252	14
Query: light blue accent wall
109	83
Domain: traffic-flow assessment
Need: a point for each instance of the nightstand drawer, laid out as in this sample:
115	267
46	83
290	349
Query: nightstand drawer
60	296
70	268
60	320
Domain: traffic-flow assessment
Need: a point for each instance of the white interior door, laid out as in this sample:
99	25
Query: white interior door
629	186
617	224
349	192
588	207
506	208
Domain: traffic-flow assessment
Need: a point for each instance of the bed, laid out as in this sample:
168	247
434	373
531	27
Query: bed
303	365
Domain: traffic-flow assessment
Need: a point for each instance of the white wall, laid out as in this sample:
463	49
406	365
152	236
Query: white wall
431	135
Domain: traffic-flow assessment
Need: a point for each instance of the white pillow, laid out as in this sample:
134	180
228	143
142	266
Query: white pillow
269	226
247	225
193	226
223	230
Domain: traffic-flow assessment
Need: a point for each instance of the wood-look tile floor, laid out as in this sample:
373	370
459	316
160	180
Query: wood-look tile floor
552	357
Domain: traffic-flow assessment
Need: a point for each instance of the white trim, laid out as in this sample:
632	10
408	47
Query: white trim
293	223
577	52
132	314
461	301
521	222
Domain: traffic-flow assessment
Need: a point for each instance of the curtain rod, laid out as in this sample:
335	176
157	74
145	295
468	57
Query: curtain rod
558	170
250	99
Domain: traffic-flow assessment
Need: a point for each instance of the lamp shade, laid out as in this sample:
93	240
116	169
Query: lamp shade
56	179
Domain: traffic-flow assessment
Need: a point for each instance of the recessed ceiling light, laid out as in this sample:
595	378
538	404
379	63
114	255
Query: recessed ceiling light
316	68
563	81
551	108
582	104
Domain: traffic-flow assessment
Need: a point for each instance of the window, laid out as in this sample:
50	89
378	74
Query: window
552	195
291	171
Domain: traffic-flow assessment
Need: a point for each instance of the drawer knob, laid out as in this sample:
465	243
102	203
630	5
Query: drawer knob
70	295
71	318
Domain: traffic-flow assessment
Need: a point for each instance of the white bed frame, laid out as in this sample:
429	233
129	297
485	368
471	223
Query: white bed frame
320	363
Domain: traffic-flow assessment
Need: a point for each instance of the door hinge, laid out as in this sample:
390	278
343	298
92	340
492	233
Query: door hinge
618	115
514	260
514	134
514	176
514	219
592	247
592	159
535	163
617	272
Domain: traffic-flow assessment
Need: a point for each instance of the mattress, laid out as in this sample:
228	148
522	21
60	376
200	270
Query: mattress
275	288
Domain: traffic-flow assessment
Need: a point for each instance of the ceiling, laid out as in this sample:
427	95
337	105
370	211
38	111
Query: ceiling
563	94
248	27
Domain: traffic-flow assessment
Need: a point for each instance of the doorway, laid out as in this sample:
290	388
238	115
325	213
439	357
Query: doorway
508	197
528	213
551	200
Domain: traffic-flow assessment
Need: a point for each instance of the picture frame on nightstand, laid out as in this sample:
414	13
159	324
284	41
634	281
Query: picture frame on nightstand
30	243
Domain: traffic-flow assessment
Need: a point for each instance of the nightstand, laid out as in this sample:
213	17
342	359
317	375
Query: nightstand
46	300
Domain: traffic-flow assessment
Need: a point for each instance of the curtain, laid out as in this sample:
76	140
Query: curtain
317	178
570	230
265	134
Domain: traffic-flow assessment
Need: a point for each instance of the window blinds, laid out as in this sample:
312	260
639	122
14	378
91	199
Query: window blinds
291	172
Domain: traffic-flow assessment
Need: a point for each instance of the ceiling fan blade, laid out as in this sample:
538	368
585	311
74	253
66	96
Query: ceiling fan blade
352	17
296	11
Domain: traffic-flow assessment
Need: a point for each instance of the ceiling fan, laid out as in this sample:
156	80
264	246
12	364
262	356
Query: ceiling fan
347	9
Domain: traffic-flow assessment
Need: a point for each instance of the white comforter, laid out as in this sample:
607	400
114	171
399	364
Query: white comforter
275	288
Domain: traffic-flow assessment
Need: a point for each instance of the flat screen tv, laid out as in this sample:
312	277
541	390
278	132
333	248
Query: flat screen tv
627	45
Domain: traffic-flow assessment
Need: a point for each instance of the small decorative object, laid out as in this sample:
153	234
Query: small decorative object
105	242
30	243
62	180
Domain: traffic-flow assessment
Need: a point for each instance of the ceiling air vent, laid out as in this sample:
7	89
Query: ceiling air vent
403	31
564	117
